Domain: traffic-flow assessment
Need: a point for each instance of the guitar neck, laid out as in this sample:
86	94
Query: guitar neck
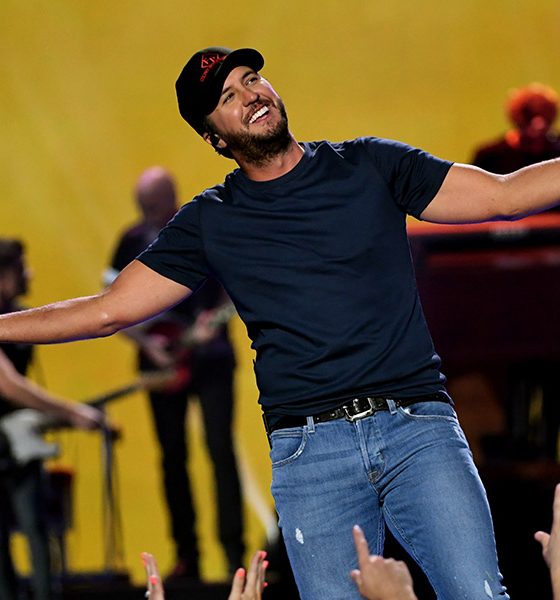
23	427
148	380
100	401
47	421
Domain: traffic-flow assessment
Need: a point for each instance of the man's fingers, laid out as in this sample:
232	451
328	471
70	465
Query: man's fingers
362	549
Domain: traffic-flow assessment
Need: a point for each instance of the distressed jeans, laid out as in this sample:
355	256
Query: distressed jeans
410	469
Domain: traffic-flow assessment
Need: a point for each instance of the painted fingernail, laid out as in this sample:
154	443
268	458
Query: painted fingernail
154	579
240	572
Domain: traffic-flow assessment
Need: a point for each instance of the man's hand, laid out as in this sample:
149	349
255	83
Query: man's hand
380	578
251	585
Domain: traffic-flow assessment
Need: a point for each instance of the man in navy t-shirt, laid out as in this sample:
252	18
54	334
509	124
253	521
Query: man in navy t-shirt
309	240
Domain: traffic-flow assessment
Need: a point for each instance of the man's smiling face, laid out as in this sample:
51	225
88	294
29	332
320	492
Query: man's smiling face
250	118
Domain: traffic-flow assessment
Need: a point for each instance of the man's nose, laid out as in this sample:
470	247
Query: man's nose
249	96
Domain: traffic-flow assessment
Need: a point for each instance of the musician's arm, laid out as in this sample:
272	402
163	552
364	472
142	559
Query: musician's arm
137	294
469	194
24	393
210	322
154	347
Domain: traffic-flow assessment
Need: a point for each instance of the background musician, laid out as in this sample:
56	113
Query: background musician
532	111
207	367
21	485
529	388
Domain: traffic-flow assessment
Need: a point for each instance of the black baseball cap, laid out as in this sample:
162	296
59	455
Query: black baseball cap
200	84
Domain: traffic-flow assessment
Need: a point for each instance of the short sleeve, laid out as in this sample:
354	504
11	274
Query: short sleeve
177	252
413	175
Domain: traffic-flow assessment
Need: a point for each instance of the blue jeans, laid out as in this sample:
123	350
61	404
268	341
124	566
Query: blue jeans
408	468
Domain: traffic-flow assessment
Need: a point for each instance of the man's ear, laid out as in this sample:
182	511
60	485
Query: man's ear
213	139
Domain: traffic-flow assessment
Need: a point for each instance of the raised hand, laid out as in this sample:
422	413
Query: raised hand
550	543
155	587
379	578
250	585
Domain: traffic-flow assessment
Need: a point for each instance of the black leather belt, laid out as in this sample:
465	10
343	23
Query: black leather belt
355	409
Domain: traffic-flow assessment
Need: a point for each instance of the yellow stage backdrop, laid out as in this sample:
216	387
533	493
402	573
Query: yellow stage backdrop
87	102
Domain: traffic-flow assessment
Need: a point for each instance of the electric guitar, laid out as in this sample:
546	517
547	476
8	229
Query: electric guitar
23	428
180	339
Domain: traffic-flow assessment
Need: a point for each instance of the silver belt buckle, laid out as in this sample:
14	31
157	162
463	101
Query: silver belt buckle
360	415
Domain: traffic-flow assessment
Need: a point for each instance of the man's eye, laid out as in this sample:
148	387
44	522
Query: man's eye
228	98
252	80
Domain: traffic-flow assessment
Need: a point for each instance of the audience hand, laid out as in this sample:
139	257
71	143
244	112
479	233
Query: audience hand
250	586
155	587
551	544
380	578
245	586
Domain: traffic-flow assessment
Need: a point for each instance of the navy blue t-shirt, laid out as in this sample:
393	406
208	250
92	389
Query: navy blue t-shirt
318	265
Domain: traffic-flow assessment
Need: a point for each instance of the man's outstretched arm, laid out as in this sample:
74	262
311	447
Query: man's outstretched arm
471	195
137	294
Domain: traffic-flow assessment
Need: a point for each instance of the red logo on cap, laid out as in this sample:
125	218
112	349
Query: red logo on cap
208	62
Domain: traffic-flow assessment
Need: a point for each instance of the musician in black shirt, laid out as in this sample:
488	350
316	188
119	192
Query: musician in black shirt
21	483
529	387
206	371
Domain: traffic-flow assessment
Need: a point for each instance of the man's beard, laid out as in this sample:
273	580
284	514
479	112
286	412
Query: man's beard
258	149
